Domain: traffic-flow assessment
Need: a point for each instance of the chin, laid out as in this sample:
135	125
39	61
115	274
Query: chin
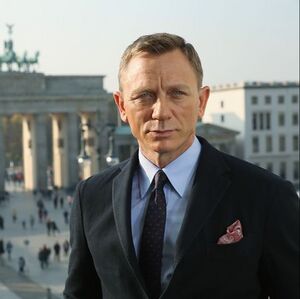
162	146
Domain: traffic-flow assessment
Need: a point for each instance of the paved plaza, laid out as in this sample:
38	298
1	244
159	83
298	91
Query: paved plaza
34	283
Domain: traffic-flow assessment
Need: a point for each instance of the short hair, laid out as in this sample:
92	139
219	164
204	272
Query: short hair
158	44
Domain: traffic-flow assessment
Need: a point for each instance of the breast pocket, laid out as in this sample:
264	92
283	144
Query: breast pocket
246	247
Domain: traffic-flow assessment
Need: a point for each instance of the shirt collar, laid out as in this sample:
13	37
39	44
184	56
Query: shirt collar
179	171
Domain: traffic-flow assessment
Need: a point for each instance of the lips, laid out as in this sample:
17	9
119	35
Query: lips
161	133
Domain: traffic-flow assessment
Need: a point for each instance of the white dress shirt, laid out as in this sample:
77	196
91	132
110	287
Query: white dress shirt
180	173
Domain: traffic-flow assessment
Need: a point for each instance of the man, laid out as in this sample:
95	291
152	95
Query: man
179	219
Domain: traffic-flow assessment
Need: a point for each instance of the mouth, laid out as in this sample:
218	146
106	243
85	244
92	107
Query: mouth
161	133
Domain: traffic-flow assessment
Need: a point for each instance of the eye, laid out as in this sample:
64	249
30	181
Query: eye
146	95
177	93
144	98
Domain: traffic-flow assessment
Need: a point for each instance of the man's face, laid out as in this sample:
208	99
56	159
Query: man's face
161	101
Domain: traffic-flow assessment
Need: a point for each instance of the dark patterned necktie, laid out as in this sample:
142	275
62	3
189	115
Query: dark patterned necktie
150	259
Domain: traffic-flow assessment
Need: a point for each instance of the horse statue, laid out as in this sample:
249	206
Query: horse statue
30	61
21	61
9	58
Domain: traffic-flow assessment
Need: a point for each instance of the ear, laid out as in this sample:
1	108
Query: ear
203	98
120	104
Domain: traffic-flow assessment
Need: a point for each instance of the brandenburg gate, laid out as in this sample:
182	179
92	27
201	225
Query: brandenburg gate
74	104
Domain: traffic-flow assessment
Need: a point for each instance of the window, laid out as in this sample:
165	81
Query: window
281	143
295	99
255	144
261	121
281	119
267	100
280	99
268	116
296	170
222	118
295	119
254	100
282	169
254	121
296	143
222	104
269	146
270	166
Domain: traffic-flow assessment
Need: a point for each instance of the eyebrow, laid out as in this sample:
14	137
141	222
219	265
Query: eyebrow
175	86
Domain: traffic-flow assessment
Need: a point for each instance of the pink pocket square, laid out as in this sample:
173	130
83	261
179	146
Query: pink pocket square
233	234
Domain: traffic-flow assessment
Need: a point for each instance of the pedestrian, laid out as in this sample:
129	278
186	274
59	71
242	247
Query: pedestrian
55	201
9	247
40	214
70	200
1	247
56	248
66	216
54	227
61	200
42	256
45	214
66	247
24	224
47	254
14	215
21	263
31	221
1	222
49	226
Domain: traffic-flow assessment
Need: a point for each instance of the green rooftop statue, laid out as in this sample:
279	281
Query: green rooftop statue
10	58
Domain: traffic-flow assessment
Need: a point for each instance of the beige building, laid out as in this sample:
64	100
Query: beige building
267	117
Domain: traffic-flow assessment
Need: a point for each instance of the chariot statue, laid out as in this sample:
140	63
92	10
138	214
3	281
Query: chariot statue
14	62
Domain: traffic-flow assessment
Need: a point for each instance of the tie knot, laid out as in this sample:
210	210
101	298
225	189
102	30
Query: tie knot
160	180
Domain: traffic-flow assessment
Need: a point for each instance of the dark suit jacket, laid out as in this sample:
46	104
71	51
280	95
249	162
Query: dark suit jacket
265	262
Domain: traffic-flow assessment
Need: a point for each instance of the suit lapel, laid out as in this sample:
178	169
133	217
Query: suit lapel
121	199
211	182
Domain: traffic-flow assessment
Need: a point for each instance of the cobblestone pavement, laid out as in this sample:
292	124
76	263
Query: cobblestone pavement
35	282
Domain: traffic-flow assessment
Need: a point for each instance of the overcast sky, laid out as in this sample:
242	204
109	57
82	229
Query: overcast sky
237	40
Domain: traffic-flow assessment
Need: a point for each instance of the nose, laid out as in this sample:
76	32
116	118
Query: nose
161	109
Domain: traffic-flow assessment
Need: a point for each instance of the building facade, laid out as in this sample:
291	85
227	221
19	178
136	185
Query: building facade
75	107
267	117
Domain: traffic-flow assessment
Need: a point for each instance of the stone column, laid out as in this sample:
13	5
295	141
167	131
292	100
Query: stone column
65	149
73	148
35	151
2	155
60	173
89	131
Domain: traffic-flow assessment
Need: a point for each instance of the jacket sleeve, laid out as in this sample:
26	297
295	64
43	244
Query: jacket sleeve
281	254
82	281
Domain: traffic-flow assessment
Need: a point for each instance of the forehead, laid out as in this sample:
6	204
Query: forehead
170	66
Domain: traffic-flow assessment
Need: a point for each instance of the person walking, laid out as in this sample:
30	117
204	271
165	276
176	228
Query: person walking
56	248
61	201
1	222
66	216
2	251
31	221
66	247
22	264
42	256
14	215
9	247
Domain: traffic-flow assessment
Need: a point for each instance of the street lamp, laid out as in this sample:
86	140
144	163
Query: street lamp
111	157
83	157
